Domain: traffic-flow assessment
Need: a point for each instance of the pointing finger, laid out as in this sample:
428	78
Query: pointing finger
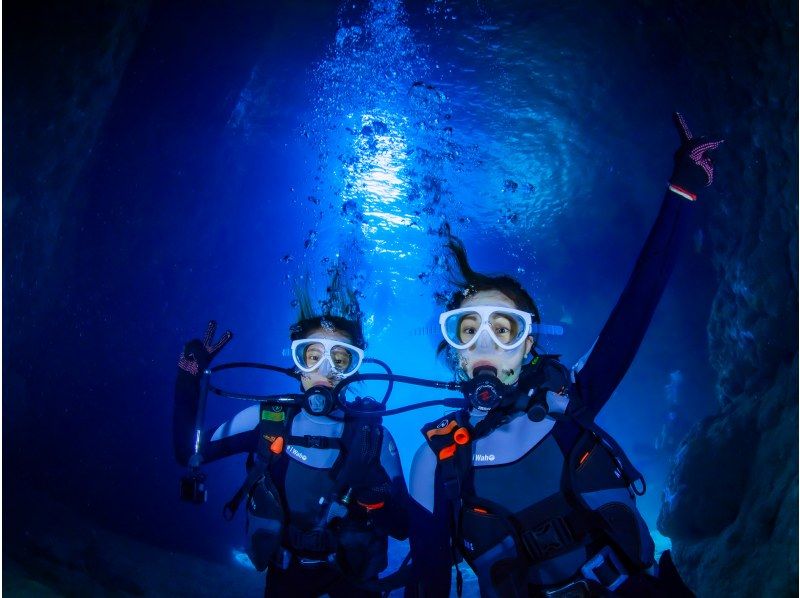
683	128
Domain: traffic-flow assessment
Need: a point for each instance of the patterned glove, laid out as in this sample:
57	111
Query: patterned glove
197	355
694	169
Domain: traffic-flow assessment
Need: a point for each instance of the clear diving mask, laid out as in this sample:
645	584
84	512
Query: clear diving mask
310	353
506	326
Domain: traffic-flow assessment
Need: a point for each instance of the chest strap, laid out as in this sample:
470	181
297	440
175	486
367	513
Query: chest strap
310	441
319	540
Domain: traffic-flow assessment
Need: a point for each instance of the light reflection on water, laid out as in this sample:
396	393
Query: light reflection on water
475	138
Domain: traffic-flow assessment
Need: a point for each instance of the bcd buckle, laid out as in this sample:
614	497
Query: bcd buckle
315	540
319	442
606	569
547	539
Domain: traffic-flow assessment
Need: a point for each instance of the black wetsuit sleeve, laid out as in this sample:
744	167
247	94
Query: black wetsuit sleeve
431	556
187	396
618	342
393	517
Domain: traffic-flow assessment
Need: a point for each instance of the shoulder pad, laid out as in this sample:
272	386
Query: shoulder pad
446	433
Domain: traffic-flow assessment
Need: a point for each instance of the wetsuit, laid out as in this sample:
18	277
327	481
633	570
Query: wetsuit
540	500
303	476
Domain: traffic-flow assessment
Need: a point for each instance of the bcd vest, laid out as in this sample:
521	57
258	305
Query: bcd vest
347	542
510	517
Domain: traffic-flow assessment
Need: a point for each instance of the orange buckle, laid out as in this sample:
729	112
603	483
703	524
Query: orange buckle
480	510
371	506
461	436
447	452
277	445
439	431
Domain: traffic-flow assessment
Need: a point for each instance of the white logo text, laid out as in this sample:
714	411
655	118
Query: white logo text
304	457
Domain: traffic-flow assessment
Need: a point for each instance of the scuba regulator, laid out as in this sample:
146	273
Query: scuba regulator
485	392
319	400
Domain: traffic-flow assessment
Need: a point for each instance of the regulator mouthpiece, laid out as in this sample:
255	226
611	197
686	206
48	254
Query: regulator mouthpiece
485	391
319	400
484	370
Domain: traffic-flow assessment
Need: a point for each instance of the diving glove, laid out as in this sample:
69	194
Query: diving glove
197	355
694	168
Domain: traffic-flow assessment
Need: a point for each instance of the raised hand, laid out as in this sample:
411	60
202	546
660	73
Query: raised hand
197	355
694	168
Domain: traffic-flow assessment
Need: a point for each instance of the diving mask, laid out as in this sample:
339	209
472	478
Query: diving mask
309	354
508	327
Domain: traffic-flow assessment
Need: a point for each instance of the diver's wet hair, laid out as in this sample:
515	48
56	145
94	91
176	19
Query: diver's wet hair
340	311
329	322
471	282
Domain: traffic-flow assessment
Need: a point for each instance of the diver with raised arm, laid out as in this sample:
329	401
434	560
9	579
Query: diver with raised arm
522	484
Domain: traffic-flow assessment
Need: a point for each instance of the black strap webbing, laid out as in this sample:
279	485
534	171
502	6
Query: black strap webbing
309	441
360	449
315	540
257	471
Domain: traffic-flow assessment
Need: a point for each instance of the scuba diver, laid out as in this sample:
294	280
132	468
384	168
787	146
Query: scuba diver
522	483
324	489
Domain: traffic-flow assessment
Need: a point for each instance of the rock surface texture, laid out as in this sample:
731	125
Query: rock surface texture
731	503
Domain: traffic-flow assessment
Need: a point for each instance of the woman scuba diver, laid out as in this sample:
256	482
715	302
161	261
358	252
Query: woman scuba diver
323	489
523	485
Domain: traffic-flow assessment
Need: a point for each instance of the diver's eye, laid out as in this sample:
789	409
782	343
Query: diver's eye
313	356
341	359
467	328
503	328
467	333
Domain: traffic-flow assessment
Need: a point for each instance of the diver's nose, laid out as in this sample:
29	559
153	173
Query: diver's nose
485	341
324	368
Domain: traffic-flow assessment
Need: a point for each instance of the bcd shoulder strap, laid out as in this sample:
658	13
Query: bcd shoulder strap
360	449
450	439
273	424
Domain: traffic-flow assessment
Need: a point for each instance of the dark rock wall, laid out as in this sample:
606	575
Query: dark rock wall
732	500
62	66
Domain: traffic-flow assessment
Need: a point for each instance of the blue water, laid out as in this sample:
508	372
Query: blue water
540	134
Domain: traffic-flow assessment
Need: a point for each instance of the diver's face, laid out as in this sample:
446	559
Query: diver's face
507	362
324	375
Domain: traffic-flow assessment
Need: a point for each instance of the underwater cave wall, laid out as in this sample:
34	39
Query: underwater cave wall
63	64
731	504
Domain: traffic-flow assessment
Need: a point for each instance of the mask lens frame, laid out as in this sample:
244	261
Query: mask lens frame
343	358
507	327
